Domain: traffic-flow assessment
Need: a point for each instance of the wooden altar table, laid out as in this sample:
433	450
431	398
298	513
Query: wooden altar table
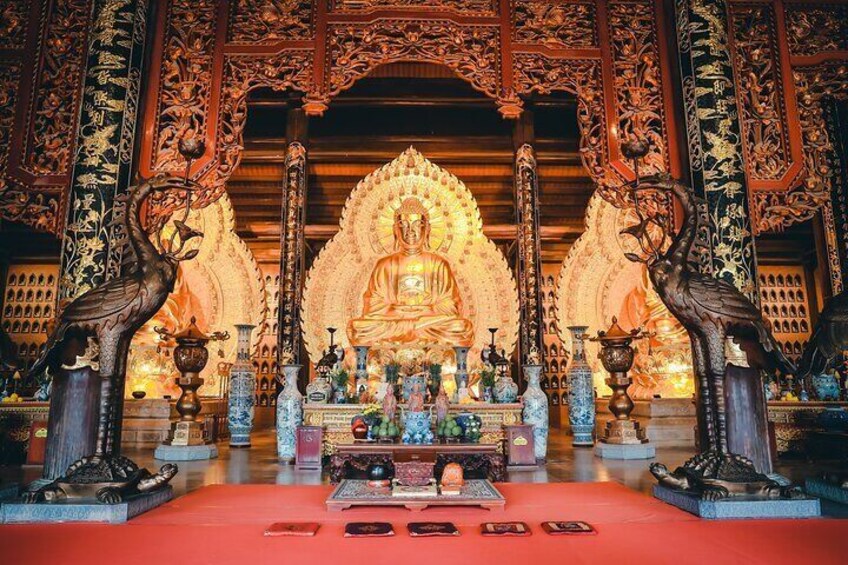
482	458
335	419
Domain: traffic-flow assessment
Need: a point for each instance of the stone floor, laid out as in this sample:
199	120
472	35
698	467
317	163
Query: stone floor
258	464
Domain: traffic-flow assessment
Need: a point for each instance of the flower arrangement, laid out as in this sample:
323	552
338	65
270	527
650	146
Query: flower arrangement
372	411
392	373
488	374
340	378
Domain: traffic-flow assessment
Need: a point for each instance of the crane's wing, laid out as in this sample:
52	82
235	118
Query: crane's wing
103	300
721	297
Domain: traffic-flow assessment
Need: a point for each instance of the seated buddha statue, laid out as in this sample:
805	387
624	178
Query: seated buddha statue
412	296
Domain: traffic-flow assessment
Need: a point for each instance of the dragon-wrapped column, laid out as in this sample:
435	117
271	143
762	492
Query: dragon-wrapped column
529	251
292	241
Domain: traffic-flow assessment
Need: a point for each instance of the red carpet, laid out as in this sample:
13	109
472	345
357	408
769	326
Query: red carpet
224	524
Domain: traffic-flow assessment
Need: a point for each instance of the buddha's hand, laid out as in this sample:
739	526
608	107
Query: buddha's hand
409	311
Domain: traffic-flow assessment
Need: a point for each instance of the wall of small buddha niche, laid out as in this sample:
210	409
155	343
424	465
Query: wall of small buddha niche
790	60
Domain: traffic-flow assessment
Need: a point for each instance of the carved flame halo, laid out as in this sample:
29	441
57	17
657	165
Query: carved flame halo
222	287
339	276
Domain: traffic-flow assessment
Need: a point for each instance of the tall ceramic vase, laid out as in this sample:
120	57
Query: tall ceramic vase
536	410
361	370
461	376
581	393
289	414
242	391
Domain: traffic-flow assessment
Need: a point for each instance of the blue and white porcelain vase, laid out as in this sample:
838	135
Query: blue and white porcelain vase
416	428
461	375
826	386
535	410
242	391
581	393
506	389
289	414
361	370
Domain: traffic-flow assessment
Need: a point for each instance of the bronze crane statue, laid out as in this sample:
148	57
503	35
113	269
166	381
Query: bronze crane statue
829	338
711	310
108	316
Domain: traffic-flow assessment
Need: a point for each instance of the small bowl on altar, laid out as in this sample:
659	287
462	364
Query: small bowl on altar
138	394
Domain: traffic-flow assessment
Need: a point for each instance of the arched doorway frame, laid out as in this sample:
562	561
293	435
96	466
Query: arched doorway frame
204	80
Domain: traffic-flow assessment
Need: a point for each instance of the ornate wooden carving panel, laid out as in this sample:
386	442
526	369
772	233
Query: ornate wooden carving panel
542	74
267	21
482	7
555	24
472	52
758	73
636	78
14	15
287	70
43	45
815	28
184	81
51	118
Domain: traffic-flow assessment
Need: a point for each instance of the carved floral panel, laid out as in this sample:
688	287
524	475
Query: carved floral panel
263	21
473	52
816	28
637	80
287	70
52	115
582	77
14	15
555	24
17	203
483	7
760	92
812	86
185	79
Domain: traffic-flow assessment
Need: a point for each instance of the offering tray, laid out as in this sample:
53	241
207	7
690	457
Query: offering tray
354	492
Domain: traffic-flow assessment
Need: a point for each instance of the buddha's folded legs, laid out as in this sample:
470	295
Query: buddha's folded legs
426	329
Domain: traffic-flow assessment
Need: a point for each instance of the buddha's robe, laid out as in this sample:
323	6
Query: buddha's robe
411	300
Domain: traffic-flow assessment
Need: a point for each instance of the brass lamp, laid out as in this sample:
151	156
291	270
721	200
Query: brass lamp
190	357
617	355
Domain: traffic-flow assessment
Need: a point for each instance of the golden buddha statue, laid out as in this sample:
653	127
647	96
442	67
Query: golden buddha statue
412	295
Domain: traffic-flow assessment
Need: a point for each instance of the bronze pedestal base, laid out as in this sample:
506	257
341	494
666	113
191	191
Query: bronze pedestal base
624	432
186	433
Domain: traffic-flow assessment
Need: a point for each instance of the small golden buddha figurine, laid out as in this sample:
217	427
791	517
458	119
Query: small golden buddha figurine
412	295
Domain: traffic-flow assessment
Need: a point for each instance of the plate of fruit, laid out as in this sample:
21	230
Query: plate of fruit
449	429
386	430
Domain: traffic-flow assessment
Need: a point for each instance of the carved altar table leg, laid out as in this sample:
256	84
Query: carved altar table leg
497	468
338	464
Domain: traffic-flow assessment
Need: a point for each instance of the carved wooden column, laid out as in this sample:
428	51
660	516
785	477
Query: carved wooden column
92	246
529	271
718	175
292	242
837	128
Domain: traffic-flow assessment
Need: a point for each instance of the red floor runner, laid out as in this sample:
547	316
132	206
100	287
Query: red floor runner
224	524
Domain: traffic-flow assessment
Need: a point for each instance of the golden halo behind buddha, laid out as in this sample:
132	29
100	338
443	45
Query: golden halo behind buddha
335	284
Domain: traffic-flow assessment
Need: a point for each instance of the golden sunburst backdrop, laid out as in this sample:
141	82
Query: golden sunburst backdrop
337	280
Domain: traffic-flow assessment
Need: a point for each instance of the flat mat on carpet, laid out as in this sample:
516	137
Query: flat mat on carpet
225	524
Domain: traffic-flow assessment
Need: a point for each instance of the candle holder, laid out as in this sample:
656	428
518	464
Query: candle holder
190	357
617	356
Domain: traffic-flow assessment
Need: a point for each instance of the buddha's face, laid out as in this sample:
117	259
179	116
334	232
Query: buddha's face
412	230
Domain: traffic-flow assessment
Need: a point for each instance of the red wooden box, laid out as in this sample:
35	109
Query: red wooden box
308	453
